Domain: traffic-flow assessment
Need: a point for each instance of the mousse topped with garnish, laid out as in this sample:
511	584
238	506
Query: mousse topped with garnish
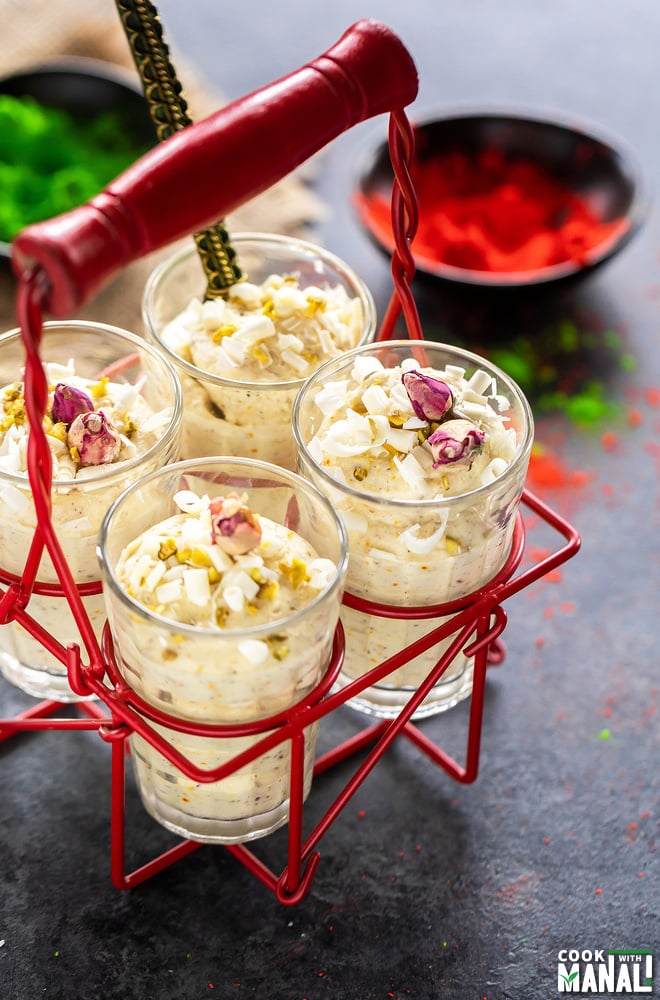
243	356
413	433
222	614
102	432
272	332
88	423
218	564
422	449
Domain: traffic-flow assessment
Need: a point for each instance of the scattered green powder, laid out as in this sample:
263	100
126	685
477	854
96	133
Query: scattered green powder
51	162
552	370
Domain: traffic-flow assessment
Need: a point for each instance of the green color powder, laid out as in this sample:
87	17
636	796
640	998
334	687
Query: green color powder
51	162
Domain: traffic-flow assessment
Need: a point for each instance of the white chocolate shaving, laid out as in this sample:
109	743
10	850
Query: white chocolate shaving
196	585
254	650
420	546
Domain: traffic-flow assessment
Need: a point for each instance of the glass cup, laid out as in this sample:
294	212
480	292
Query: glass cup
409	550
211	675
247	413
78	504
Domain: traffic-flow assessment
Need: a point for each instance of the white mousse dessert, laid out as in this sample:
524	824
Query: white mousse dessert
415	459
242	357
224	642
96	430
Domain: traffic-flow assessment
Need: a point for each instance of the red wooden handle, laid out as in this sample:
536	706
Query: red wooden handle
202	173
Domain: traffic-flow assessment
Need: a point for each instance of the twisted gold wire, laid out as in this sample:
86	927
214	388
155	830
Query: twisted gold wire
169	113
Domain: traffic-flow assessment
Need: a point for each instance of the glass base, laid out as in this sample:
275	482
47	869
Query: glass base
39	681
247	804
210	830
384	702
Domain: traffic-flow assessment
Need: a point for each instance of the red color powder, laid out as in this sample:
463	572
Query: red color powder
547	469
609	440
489	213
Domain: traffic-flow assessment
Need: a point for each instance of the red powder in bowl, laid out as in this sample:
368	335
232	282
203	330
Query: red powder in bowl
489	213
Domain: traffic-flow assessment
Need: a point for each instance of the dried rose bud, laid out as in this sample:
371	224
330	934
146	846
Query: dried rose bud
234	527
69	403
430	397
454	441
94	438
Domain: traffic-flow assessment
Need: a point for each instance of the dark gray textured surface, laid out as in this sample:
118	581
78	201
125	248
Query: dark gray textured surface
426	889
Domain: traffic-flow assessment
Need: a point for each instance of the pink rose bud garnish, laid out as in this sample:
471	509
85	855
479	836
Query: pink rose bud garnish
68	403
95	439
431	398
454	441
234	527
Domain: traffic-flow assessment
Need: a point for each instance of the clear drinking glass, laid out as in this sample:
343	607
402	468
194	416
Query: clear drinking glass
247	412
78	504
209	675
407	550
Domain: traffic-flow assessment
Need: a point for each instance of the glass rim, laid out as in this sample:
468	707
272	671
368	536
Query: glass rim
337	364
165	267
292	479
109	471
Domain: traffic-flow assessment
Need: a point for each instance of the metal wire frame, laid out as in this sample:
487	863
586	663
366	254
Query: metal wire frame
476	625
475	622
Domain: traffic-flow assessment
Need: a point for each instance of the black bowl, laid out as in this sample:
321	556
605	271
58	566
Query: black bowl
604	176
85	88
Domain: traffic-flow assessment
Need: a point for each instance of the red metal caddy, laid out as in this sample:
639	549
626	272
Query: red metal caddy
62	262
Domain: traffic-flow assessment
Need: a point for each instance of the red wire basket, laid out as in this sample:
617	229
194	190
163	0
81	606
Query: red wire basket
60	263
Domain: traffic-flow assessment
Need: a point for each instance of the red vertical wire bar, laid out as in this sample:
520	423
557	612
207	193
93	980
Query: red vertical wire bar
294	883
120	879
296	777
467	773
405	218
29	299
117	817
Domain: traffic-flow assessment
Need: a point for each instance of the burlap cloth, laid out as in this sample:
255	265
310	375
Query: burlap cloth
37	29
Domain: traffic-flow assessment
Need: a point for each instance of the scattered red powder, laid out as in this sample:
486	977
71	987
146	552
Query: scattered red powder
487	212
599	892
635	417
609	440
361	814
653	397
547	469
